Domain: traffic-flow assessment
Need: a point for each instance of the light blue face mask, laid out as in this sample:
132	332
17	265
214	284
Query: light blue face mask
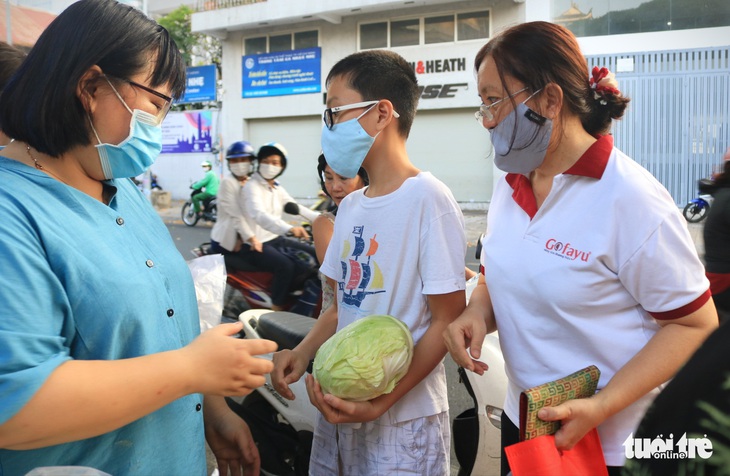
137	152
346	145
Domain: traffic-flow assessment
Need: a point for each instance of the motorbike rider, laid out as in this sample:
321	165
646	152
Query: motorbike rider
231	231
208	186
263	200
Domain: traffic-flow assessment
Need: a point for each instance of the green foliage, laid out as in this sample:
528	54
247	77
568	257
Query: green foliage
196	48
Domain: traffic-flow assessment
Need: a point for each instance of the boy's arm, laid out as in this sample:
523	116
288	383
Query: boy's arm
427	354
290	365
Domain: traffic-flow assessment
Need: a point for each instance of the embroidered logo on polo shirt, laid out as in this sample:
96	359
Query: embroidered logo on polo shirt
566	250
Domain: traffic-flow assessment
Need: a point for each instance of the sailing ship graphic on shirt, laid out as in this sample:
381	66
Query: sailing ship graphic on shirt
361	275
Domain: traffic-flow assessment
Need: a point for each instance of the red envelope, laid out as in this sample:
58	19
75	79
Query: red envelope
540	457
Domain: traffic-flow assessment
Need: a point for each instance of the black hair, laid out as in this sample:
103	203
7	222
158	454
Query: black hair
10	60
40	105
322	164
723	178
538	53
381	74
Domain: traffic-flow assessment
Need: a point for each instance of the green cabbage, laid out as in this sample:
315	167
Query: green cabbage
365	359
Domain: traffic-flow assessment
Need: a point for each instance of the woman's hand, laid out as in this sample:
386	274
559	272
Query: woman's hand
230	440
467	332
220	364
577	417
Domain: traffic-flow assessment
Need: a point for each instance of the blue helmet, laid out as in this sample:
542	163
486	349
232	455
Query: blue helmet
241	148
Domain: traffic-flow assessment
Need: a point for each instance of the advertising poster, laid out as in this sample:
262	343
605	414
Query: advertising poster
200	84
282	73
188	132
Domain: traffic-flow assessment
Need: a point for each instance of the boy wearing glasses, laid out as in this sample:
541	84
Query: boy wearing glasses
398	248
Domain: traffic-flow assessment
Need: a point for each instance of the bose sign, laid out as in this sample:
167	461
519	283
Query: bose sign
445	80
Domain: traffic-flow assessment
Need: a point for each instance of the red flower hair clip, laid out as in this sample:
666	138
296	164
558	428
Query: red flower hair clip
603	82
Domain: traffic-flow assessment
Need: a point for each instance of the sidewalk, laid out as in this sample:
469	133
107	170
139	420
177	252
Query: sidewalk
475	222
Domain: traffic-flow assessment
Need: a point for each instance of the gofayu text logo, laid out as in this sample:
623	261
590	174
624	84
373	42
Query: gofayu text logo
566	250
667	448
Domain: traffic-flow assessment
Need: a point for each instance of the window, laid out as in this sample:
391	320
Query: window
255	46
598	17
444	28
280	43
306	39
276	43
438	29
472	26
374	35
404	32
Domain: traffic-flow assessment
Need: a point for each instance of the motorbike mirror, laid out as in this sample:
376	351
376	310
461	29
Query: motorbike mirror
478	253
291	208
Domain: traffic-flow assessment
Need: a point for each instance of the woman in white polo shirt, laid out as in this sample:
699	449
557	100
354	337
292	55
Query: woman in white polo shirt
587	259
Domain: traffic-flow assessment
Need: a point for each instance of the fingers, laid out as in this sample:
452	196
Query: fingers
258	346
456	346
228	329
251	457
283	373
339	404
551	414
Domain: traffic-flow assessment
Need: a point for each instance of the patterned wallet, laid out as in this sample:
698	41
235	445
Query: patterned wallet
580	384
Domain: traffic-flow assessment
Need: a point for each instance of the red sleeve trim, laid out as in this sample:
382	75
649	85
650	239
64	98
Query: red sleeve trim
684	310
719	282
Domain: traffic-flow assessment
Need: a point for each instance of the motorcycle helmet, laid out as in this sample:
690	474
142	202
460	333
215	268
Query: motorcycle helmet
241	148
267	150
237	151
206	163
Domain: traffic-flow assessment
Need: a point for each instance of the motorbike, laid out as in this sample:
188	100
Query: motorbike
208	213
696	209
476	432
153	183
254	285
283	428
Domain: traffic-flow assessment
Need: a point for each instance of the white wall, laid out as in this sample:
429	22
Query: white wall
176	172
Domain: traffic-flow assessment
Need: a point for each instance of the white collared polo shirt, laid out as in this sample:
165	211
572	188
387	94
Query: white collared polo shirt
582	279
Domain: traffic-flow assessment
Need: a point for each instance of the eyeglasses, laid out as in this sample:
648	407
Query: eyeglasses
487	112
329	114
163	109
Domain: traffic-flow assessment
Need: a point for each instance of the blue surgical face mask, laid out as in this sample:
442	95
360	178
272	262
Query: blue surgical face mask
531	133
135	154
346	145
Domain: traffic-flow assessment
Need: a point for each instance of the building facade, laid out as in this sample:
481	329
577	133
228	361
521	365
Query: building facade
440	39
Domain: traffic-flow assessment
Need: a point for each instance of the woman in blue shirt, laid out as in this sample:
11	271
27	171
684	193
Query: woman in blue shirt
100	360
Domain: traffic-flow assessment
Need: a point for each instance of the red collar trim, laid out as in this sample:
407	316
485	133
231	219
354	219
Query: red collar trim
594	160
522	193
591	164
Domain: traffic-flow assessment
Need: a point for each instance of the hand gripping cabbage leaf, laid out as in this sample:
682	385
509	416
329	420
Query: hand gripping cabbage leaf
365	359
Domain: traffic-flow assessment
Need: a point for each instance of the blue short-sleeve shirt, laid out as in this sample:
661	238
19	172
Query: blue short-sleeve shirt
83	280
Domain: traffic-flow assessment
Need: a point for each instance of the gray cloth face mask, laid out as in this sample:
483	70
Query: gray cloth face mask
531	133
